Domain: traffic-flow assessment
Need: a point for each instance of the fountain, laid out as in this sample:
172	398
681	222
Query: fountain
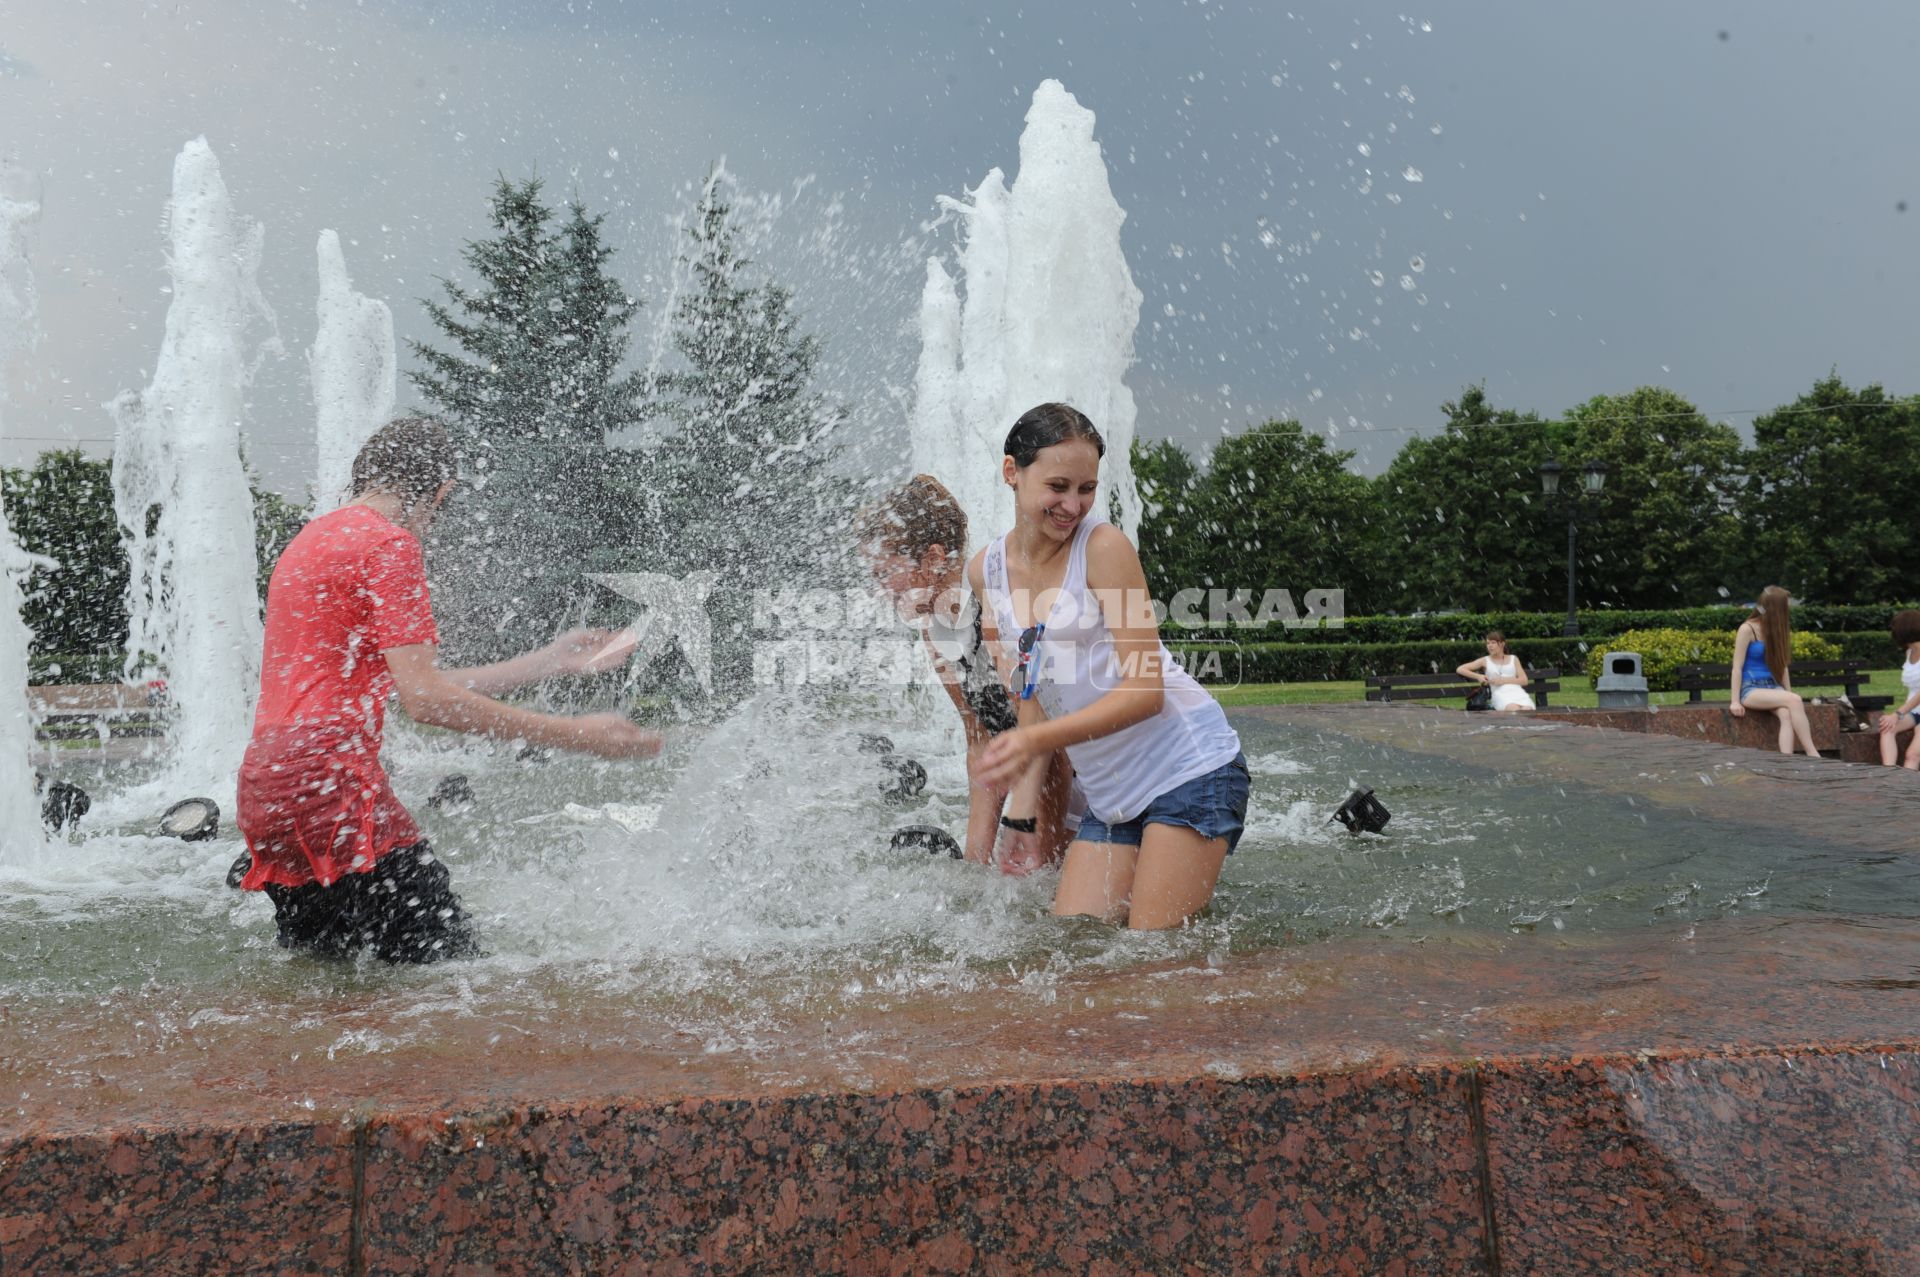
19	810
180	492
1048	314
353	366
1576	1009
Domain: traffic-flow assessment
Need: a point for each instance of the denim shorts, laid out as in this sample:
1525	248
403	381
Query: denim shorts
1752	682
1214	805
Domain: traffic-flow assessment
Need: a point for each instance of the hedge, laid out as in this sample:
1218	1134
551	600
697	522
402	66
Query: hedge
74	667
1308	662
1470	627
1316	662
1663	652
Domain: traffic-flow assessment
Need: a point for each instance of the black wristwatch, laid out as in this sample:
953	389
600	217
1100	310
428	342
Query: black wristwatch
1021	824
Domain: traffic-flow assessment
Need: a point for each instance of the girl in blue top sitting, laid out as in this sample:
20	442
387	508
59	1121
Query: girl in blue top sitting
1760	649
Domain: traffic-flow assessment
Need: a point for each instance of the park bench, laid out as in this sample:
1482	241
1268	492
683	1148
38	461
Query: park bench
1695	679
80	711
1438	687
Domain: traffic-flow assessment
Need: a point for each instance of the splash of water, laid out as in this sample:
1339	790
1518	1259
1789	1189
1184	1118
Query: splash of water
179	491
19	814
354	369
1049	313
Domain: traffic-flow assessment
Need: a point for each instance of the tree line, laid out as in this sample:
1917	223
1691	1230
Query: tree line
722	459
726	458
1819	502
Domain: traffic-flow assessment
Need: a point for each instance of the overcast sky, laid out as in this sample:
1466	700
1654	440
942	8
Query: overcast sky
1706	195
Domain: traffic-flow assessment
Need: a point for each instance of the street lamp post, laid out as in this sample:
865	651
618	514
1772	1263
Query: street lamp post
1593	477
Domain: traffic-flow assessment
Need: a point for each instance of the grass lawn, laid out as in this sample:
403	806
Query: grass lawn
1574	692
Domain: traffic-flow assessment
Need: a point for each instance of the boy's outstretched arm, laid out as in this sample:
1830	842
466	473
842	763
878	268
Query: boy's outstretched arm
431	696
584	651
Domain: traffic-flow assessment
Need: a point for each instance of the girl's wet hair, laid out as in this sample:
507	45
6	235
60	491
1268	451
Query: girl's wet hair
1906	627
915	517
1495	636
1047	425
410	456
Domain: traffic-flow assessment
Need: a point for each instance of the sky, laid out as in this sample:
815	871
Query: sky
1341	212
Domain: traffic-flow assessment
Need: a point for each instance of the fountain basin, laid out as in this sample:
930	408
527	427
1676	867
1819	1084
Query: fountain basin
1726	1091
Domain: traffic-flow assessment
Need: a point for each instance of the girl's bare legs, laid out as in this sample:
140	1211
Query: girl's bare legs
1161	883
1174	876
1793	716
1890	743
1096	881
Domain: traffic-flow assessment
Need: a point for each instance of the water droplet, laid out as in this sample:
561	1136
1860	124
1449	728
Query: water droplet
1413	174
1417	262
1364	149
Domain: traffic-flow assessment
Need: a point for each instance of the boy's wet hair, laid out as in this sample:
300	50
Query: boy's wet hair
1046	425
409	456
1906	627
915	517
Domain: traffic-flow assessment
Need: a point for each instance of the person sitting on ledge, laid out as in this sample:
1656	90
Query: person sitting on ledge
1503	673
1906	632
1761	647
349	622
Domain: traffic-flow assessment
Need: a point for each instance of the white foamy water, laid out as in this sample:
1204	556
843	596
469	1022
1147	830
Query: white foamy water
1044	309
20	837
766	850
193	604
19	811
353	367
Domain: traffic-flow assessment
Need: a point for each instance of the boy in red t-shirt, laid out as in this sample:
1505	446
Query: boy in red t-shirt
349	622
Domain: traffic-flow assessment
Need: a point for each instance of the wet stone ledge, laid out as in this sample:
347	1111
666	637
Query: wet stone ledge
1801	1162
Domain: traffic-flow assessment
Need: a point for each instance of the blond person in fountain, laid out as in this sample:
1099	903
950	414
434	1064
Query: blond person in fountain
350	623
915	540
1504	674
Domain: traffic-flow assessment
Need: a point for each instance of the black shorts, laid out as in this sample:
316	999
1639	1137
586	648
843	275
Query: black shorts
403	909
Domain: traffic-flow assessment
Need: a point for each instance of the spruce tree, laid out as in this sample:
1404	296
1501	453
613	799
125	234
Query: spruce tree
743	481
532	389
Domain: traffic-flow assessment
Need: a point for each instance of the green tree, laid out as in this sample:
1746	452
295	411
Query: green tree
742	482
276	521
1281	510
1461	521
533	388
1173	539
1828	506
1663	531
62	507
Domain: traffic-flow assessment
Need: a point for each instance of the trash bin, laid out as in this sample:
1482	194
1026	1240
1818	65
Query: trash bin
1622	683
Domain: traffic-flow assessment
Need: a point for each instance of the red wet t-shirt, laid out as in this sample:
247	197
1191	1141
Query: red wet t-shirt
315	804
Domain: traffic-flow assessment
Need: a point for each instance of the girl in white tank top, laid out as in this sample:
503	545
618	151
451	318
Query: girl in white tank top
1165	783
1906	632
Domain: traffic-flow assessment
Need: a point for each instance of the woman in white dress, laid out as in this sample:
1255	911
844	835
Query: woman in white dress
1906	632
1503	673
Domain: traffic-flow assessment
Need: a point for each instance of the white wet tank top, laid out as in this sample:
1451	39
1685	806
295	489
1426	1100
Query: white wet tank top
1077	665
